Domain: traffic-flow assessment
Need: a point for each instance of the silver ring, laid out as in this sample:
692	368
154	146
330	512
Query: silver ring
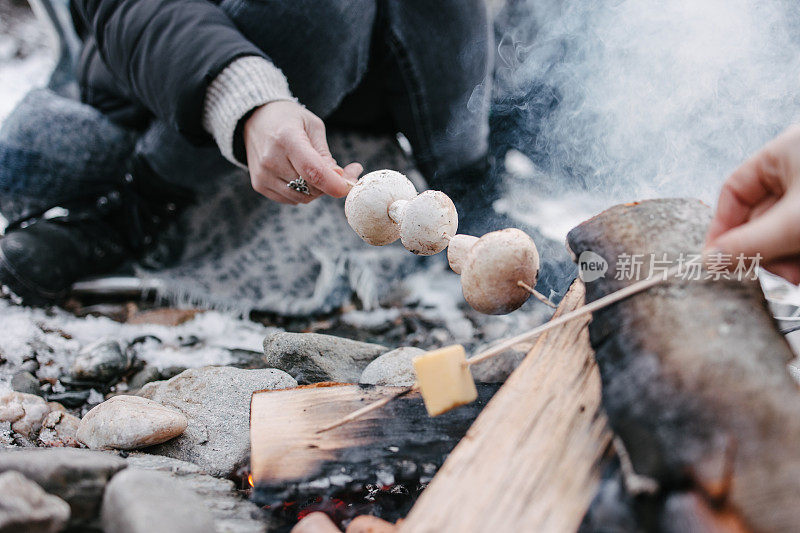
299	185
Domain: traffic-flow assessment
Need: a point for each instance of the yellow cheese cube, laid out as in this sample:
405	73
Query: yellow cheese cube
444	379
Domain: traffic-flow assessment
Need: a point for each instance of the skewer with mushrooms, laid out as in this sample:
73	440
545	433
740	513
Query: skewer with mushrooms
497	271
384	206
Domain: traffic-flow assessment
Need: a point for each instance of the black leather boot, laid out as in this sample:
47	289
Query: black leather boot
42	255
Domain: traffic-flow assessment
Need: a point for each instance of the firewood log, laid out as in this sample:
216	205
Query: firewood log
694	372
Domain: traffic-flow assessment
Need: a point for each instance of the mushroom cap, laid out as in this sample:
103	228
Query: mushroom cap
428	222
496	262
458	251
367	205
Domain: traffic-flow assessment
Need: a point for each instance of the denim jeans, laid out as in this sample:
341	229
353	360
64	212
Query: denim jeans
417	67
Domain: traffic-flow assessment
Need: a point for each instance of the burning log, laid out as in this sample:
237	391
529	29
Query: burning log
376	465
531	460
694	372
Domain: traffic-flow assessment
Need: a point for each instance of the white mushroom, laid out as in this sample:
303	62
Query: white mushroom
369	201
492	268
458	251
428	222
384	205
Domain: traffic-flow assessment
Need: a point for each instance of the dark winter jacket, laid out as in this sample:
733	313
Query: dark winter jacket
145	58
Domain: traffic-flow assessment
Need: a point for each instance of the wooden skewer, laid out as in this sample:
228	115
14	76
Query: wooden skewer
367	409
538	295
598	304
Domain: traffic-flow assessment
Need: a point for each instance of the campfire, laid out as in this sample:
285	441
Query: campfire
551	445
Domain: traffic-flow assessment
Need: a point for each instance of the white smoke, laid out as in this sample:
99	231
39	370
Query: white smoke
654	97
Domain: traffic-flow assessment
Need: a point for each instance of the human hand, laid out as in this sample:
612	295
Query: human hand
758	211
283	141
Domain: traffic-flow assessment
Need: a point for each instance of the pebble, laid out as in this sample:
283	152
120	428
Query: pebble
231	512
26	508
392	369
24	412
25	382
216	400
70	398
77	476
143	377
102	360
59	429
497	369
129	422
312	357
142	501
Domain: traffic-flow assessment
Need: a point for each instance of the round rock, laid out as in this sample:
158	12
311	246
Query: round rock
24	412
26	507
102	360
130	422
393	368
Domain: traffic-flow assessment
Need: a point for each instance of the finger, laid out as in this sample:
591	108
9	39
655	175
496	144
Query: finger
763	206
315	129
268	185
297	196
319	140
774	234
286	172
316	170
787	268
749	185
351	172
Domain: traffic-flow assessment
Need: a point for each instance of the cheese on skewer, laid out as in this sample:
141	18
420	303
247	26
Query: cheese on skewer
444	379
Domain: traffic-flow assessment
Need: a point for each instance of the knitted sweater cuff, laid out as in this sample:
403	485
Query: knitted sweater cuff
247	83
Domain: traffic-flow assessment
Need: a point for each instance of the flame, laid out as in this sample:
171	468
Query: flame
250	480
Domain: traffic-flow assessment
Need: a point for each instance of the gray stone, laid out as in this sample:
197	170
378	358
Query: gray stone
231	512
102	360
143	377
497	369
393	368
74	475
130	422
26	508
24	412
216	400
70	398
25	382
59	429
311	357
144	501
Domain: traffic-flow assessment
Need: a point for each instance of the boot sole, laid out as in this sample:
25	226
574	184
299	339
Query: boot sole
21	288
